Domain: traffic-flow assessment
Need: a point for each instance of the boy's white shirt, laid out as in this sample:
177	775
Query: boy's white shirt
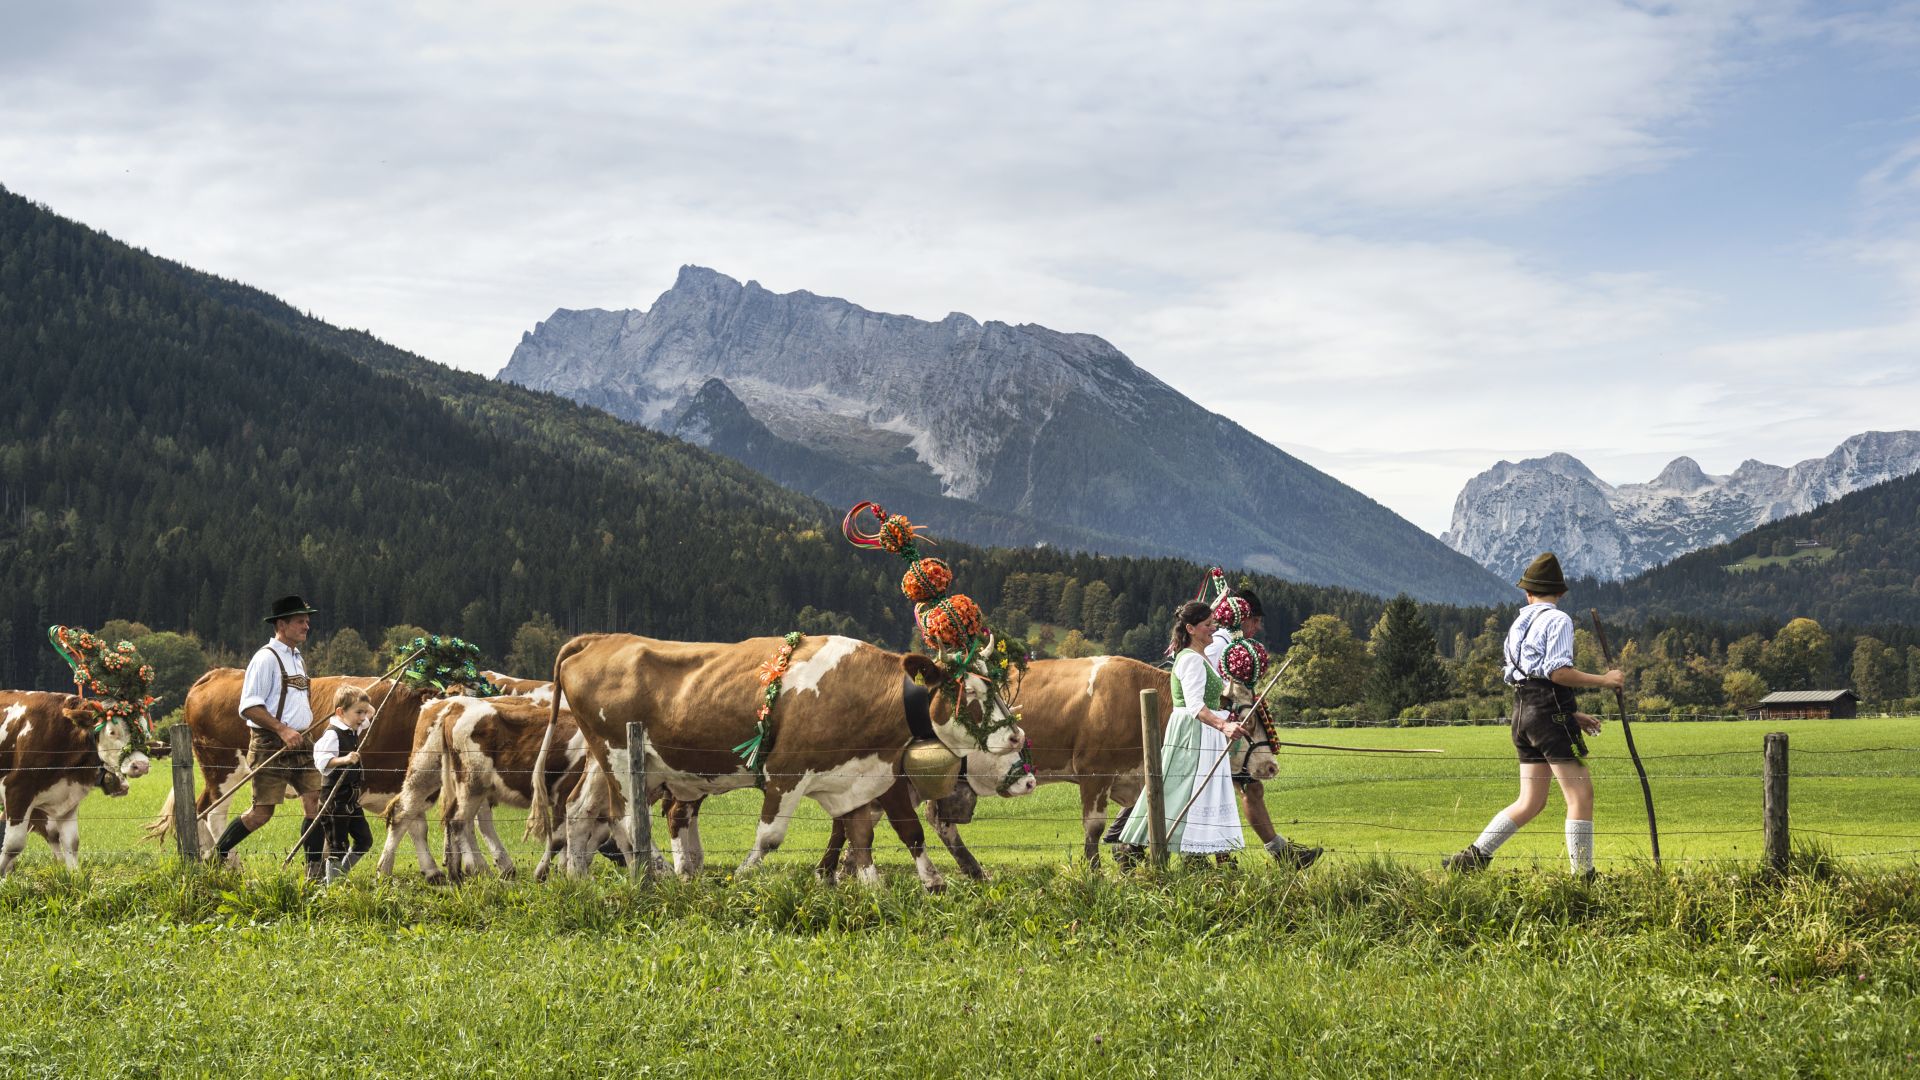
328	746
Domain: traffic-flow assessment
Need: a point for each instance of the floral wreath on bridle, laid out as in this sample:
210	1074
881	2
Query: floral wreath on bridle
444	666
951	625
119	680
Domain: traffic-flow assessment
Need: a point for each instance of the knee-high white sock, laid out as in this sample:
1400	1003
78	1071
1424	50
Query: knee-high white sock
1498	831
1580	845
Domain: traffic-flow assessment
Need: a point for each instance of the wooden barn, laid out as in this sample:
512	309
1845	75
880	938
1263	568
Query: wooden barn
1806	705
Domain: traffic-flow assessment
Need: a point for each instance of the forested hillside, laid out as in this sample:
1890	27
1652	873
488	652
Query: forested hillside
1854	561
178	450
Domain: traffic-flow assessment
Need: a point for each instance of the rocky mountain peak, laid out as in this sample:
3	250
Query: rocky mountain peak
1017	433
1682	474
1556	503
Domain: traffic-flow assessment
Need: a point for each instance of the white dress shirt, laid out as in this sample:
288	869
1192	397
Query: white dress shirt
262	686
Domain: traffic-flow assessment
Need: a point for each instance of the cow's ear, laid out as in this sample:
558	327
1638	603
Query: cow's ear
84	715
923	670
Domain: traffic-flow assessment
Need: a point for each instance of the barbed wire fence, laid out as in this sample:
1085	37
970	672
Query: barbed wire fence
1011	832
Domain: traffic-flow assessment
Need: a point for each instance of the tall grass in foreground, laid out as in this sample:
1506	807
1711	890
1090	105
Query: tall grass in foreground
1354	969
1819	921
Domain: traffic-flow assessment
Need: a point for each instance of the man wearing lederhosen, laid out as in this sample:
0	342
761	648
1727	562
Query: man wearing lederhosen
276	705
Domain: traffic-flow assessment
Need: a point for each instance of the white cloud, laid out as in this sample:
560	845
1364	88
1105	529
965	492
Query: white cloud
1272	206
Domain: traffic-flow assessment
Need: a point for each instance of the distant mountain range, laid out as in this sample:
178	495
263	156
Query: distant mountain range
1511	512
1852	562
1003	434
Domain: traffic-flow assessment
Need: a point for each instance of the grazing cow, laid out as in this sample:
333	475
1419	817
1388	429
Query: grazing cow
838	729
54	748
476	753
220	742
1085	730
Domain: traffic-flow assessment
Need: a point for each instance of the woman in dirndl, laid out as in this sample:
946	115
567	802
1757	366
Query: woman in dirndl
1198	733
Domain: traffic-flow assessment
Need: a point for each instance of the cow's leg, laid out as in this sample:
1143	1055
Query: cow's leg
859	824
16	836
1253	799
949	834
407	817
829	867
898	804
218	786
1093	816
65	836
502	861
683	831
776	814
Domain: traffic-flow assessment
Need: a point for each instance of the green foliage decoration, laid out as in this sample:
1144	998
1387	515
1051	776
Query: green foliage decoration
445	665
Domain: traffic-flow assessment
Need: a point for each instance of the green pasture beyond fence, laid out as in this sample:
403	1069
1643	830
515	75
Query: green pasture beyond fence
1854	791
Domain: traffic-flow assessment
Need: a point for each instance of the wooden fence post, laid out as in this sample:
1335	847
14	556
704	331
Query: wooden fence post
639	822
1155	794
1774	811
186	823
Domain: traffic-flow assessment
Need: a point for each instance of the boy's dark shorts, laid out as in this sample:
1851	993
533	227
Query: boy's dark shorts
1543	724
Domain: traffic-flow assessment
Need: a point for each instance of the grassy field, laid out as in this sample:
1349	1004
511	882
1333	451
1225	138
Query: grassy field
1372	963
1755	562
1855	790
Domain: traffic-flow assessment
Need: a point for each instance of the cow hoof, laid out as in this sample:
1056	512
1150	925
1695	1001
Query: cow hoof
508	873
435	878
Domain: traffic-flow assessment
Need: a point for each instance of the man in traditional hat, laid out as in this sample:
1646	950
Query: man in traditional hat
1546	726
278	710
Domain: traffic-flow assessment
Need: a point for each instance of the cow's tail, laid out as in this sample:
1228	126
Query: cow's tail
162	825
540	805
449	776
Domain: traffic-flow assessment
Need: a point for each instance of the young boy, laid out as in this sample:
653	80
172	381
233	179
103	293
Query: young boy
337	756
1546	727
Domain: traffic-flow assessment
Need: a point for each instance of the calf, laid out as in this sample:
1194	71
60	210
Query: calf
54	749
474	754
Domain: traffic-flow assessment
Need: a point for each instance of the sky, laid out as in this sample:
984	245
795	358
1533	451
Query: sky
1399	240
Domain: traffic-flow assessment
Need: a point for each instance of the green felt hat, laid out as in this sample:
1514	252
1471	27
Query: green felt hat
1543	577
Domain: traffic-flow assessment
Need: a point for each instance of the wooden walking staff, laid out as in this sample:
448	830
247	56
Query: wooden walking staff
1620	695
235	789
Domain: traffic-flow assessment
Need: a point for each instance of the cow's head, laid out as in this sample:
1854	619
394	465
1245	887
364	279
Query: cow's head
1257	759
970	710
119	741
1005	775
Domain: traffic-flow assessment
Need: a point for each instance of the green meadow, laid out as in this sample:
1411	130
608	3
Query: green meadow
1373	963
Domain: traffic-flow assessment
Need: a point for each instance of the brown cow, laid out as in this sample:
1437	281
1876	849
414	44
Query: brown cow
54	749
479	752
1085	730
220	742
838	729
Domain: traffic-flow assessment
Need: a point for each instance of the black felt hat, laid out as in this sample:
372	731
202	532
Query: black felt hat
288	606
1253	601
1543	577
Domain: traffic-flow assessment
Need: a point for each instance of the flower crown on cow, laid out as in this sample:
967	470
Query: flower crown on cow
114	674
951	624
444	665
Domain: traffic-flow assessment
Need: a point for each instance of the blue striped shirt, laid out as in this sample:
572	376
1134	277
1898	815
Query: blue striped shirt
1539	643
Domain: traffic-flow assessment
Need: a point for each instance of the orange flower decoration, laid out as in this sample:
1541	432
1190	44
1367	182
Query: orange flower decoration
926	580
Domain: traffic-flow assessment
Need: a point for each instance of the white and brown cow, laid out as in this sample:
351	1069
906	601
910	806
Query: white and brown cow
838	729
54	749
220	739
1084	730
477	753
